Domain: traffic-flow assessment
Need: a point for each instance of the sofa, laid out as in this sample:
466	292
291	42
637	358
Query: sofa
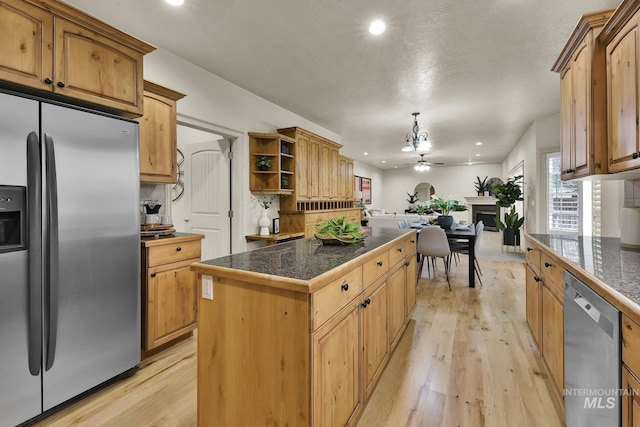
388	220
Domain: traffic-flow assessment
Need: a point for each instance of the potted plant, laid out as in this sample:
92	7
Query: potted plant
263	163
413	198
445	207
508	193
481	185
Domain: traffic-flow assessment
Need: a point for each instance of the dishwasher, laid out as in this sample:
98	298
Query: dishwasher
591	357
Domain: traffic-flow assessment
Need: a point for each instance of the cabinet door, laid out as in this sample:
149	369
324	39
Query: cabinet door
158	139
410	283
622	94
375	341
334	177
325	172
302	167
553	336
94	68
313	169
171	302
26	42
342	174
566	118
397	284
630	399
581	110
533	303
348	182
337	393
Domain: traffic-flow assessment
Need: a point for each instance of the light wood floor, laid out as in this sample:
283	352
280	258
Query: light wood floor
466	359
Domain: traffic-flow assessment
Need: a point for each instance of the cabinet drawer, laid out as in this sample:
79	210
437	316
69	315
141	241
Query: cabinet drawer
374	269
630	344
410	245
330	299
552	269
533	255
397	253
173	252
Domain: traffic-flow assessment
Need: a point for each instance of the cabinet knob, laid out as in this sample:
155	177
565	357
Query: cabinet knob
546	264
407	264
345	286
529	249
569	171
61	84
634	155
399	249
379	263
364	304
153	274
536	278
48	81
412	241
178	249
368	301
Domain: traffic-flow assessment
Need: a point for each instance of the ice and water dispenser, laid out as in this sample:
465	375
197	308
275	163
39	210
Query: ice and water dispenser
13	218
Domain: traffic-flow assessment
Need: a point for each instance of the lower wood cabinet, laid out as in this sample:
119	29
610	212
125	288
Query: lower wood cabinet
375	332
169	294
336	370
552	340
397	292
630	399
533	303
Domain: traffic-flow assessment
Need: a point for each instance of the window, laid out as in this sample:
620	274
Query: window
563	200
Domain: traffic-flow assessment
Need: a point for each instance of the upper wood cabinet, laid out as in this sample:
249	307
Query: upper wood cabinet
581	65
56	48
280	151
320	173
158	134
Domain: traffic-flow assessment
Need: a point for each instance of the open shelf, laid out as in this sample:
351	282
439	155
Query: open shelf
278	153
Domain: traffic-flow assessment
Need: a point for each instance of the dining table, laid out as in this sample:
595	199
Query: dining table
459	232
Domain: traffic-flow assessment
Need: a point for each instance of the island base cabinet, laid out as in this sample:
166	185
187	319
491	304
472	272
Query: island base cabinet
253	356
375	333
397	317
337	394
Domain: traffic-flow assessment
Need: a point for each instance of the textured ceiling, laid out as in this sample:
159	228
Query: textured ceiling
475	70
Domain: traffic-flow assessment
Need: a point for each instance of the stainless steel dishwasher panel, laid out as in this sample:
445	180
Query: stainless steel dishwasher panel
591	357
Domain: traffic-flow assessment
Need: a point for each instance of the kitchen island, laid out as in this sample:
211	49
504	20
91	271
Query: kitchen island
299	333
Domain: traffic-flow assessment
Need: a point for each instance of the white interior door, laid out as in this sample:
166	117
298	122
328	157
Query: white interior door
204	207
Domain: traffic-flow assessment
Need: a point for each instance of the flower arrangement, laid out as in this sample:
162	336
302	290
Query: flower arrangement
265	202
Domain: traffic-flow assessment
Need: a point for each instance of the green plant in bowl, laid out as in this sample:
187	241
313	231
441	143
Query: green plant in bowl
339	230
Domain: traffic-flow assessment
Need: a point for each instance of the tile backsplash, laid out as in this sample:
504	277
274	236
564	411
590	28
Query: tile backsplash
155	192
632	193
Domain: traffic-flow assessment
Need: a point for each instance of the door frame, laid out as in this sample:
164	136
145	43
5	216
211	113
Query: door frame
232	135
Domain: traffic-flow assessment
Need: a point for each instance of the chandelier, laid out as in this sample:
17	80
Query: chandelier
422	165
416	139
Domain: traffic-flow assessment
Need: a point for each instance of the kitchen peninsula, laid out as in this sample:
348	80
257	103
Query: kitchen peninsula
299	333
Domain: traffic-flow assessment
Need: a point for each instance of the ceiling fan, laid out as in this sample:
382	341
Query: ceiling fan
422	165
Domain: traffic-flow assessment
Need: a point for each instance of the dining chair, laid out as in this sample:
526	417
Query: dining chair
433	244
463	248
403	224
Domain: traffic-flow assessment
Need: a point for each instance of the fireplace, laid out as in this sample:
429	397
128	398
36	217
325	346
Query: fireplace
487	214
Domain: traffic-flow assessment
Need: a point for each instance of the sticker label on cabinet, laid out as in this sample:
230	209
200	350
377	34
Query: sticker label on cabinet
207	287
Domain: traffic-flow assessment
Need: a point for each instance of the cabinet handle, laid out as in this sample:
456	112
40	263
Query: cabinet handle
529	249
634	155
569	171
407	264
379	263
364	304
399	249
368	301
48	81
412	241
546	264
153	274
345	286
536	278
61	84
178	249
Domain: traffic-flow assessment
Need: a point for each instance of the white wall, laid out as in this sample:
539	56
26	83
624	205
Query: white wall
455	181
231	111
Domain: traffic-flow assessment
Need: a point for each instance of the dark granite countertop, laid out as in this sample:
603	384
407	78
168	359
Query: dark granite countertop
602	258
304	259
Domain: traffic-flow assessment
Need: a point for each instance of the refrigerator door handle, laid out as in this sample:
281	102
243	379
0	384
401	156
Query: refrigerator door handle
51	276
34	215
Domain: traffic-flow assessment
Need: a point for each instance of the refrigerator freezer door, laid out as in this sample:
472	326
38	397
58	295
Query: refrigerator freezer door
93	332
19	390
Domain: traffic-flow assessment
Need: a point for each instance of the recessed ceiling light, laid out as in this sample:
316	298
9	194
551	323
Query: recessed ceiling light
175	2
377	27
470	163
395	167
478	155
478	143
384	161
366	154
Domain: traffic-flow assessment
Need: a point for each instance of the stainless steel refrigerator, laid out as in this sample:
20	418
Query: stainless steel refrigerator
69	253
